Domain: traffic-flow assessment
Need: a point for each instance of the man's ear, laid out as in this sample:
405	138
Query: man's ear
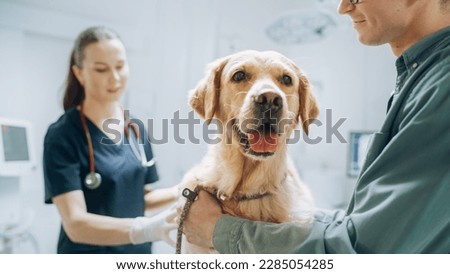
308	110
204	98
77	72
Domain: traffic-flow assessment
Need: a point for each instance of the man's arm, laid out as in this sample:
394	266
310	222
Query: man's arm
236	235
206	226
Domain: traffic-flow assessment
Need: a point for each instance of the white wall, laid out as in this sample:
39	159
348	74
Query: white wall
169	43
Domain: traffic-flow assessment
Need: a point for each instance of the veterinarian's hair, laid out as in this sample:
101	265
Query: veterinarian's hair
74	91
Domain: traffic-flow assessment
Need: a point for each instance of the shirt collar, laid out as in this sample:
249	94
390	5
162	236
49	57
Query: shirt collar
421	50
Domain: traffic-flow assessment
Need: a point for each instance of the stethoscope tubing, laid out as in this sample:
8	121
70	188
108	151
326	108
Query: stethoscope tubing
93	179
89	140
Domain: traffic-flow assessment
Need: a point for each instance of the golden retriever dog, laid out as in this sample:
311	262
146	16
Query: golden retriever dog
256	99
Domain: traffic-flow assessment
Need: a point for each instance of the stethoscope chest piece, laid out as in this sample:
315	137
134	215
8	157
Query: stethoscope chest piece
93	180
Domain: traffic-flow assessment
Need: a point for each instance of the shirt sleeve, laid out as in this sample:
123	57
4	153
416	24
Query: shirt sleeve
61	166
236	235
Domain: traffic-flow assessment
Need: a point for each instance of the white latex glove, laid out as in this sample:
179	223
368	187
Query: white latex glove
155	228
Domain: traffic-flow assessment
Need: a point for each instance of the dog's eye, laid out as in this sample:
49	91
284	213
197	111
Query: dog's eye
239	76
287	80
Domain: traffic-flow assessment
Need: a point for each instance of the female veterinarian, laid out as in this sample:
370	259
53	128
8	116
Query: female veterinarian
96	178
401	200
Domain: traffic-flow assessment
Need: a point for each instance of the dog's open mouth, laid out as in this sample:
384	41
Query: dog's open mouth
262	141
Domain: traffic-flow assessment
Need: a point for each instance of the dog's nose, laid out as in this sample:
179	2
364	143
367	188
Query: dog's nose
269	101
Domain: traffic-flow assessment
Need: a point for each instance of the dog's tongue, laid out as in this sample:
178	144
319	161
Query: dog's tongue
266	142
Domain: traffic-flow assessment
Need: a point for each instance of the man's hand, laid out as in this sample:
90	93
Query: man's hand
201	220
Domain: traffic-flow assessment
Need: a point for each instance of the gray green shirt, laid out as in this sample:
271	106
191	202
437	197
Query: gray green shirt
401	202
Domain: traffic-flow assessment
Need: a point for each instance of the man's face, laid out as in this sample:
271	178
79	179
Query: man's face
382	21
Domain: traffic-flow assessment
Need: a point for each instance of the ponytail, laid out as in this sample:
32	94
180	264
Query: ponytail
74	91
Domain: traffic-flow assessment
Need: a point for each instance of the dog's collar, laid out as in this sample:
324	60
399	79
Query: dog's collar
238	197
247	197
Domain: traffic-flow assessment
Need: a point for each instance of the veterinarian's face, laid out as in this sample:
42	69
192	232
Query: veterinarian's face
380	21
260	96
104	73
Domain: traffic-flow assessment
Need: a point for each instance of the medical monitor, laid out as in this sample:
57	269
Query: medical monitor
16	150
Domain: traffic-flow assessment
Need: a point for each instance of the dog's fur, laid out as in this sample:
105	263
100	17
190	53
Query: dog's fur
257	185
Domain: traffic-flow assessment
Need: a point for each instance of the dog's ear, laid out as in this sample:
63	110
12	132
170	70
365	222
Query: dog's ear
308	106
204	98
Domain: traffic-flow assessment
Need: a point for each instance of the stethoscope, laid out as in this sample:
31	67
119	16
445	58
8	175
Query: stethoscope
93	179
